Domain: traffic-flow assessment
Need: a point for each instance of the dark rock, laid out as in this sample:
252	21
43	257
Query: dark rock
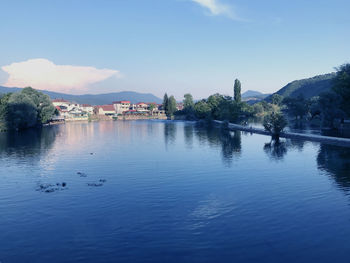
102	180
64	184
82	174
95	184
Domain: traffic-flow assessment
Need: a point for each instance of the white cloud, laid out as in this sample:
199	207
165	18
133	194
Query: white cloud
217	8
45	75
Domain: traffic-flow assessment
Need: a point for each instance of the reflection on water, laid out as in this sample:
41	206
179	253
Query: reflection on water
169	132
28	143
171	192
276	150
229	141
336	161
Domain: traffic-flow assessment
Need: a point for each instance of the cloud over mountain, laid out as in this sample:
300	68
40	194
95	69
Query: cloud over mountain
41	73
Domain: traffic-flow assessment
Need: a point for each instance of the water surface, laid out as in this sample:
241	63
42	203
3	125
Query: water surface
158	191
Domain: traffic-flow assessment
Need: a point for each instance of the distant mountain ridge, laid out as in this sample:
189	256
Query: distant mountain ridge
251	93
308	87
96	99
253	96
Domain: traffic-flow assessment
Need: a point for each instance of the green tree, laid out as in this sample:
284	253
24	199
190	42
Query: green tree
341	86
188	102
151	107
21	112
237	91
202	110
165	103
329	107
171	106
26	109
275	124
297	107
277	99
258	109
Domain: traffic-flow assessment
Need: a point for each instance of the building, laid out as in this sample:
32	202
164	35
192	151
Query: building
142	107
179	106
107	110
60	102
121	106
88	108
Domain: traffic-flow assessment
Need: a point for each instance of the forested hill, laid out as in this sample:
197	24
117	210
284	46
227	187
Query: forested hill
307	87
96	99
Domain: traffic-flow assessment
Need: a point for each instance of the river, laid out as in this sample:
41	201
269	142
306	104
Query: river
168	191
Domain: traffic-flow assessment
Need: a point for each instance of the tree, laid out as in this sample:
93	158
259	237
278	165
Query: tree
297	107
329	106
165	103
188	102
258	109
151	107
202	110
171	106
237	91
21	112
276	99
275	124
341	86
26	109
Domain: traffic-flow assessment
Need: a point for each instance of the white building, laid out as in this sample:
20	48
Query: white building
121	106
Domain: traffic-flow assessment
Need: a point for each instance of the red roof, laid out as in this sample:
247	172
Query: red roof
60	109
86	105
139	103
59	100
121	101
106	107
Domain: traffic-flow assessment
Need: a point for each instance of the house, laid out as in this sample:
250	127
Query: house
121	106
60	102
87	108
142	107
179	106
62	111
107	110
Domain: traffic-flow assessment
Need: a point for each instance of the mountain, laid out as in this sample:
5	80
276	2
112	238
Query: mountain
96	99
251	93
308	88
252	96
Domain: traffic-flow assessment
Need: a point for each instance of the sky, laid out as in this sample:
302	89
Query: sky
173	46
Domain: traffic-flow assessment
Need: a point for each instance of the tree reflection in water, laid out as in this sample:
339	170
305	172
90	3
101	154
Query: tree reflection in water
276	150
335	160
169	132
188	134
28	143
229	141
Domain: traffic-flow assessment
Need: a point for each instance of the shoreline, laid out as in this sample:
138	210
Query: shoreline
338	141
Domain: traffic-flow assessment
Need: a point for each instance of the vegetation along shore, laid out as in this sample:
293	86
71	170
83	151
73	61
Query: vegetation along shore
329	111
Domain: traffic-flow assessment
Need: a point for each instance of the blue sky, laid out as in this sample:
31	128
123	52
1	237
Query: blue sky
174	46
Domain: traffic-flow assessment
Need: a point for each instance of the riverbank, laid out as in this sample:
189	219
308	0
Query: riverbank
291	135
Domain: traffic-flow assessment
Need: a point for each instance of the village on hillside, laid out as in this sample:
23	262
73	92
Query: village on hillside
123	110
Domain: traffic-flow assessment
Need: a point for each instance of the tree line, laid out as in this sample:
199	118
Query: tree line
25	109
327	107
